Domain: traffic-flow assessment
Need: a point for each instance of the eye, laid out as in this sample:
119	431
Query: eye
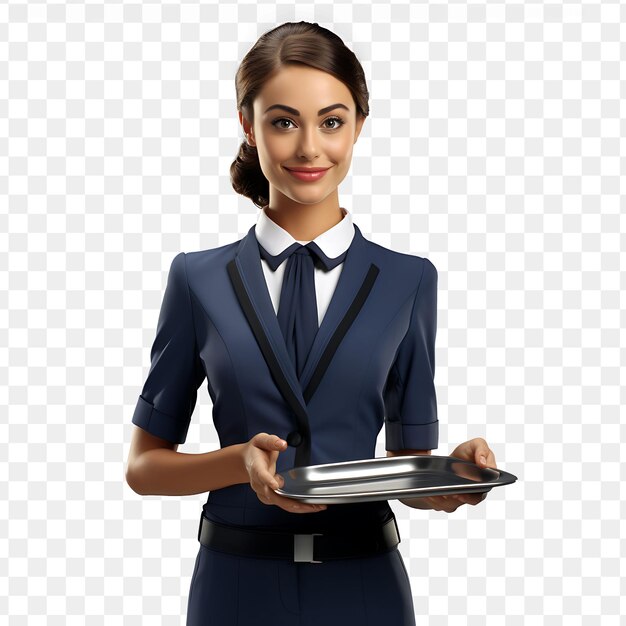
335	118
281	119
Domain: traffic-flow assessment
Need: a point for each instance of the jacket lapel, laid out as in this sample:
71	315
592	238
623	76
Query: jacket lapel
247	263
355	282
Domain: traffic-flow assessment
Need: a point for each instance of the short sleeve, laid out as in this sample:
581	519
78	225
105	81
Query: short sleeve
411	420
169	394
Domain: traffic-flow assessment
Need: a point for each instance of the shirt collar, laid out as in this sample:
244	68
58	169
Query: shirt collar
333	241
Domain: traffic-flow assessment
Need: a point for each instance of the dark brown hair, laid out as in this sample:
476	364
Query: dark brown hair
291	43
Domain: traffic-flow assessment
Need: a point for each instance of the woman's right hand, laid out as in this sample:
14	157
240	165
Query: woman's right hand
259	456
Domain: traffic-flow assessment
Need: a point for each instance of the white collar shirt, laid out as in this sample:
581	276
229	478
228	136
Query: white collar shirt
333	242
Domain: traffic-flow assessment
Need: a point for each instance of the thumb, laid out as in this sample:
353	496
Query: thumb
273	442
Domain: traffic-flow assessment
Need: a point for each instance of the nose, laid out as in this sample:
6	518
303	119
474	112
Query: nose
308	145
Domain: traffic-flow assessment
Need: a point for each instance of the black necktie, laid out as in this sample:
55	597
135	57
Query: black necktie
297	309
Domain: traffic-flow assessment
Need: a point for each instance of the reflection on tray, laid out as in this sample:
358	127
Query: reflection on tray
387	478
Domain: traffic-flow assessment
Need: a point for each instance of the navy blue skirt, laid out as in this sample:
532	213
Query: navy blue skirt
228	590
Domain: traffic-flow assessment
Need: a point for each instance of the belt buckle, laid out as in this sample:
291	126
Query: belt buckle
303	548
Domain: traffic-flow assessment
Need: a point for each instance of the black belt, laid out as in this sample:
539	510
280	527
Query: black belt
300	548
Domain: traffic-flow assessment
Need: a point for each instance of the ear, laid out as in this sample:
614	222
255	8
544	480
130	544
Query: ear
360	120
247	129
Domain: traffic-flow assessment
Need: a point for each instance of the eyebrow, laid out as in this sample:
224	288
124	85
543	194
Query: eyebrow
296	112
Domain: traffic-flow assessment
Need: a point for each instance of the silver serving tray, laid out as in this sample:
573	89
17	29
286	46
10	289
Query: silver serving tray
389	478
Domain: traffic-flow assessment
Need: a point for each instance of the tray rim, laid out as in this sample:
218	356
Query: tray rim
504	478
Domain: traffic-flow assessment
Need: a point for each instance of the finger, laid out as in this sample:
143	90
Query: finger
482	455
465	449
475	498
270	478
434	503
454	504
265	441
267	479
461	498
471	498
295	506
268	496
261	479
448	504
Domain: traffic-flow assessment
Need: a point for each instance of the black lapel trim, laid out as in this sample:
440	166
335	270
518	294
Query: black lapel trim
303	451
340	332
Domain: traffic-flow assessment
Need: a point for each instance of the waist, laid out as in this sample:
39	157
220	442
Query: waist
359	541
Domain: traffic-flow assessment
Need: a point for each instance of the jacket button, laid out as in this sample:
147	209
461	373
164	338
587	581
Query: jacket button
294	438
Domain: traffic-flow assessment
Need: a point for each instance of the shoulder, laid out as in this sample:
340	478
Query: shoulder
410	266
201	261
209	253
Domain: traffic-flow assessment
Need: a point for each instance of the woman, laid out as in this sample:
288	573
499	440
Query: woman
284	396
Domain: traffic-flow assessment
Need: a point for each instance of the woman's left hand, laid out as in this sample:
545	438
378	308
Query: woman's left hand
476	451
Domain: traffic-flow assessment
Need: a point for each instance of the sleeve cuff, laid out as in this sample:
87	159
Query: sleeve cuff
401	436
159	424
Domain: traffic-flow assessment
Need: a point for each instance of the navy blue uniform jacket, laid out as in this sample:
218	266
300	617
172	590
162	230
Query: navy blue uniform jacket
372	363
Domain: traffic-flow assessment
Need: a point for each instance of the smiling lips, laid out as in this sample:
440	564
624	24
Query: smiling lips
307	173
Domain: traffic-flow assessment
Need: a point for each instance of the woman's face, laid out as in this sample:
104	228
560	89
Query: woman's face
303	136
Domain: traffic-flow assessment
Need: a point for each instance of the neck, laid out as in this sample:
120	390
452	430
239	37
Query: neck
305	222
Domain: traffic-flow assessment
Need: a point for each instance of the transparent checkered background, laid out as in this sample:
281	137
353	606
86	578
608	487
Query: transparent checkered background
494	147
